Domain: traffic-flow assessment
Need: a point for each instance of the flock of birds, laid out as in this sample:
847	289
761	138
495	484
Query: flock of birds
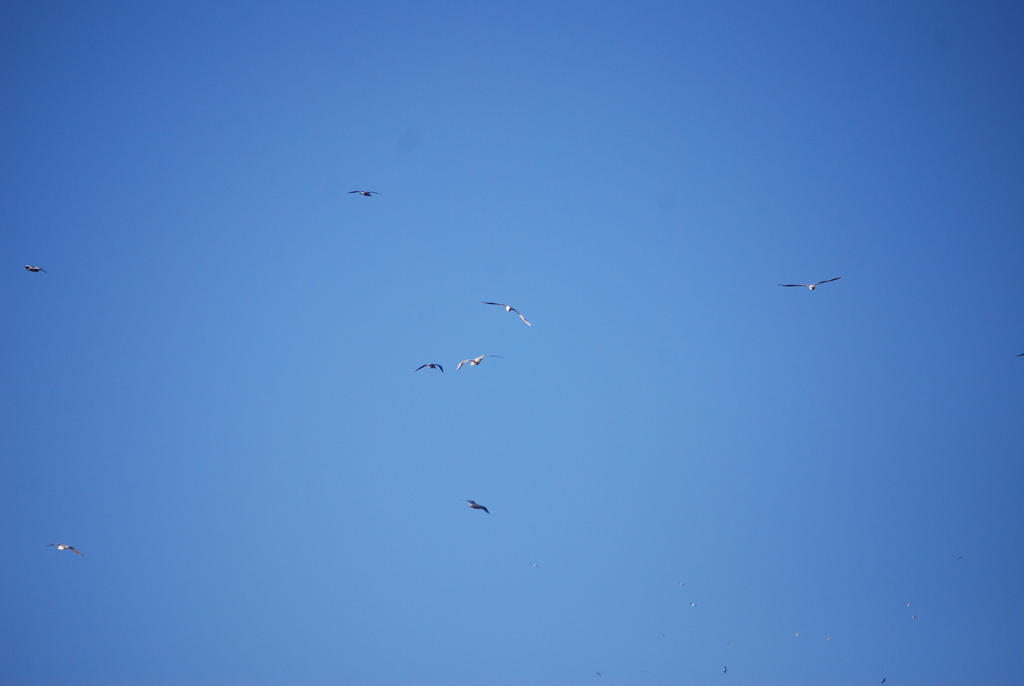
474	361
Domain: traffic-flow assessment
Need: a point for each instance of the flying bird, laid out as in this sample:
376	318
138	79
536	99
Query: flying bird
693	604
1021	355
474	361
365	194
35	268
477	506
432	365
509	308
65	546
725	670
883	679
812	286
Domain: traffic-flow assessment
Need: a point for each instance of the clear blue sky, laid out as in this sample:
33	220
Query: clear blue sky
210	393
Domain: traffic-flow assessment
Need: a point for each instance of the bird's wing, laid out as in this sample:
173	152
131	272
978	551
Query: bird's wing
441	368
71	547
522	317
350	192
490	303
793	285
490	355
828	281
484	509
419	368
460	365
49	545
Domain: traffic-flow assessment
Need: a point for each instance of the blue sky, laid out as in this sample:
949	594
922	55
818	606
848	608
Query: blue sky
210	392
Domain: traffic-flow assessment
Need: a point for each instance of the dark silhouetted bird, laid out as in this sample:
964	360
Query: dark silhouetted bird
34	268
366	194
432	365
812	286
477	506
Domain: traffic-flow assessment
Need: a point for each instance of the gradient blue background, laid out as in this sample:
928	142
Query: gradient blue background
211	391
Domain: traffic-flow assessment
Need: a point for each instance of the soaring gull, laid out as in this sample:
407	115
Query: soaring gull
477	506
812	286
65	546
432	365
509	308
365	194
34	268
474	361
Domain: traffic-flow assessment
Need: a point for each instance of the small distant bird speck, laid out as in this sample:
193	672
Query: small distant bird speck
908	603
959	557
65	546
693	604
509	308
476	506
796	634
913	616
811	286
534	565
34	268
682	583
828	638
883	679
432	365
725	670
365	194
474	361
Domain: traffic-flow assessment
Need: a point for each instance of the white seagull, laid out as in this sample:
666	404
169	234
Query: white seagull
34	268
65	546
812	286
509	308
474	361
365	194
